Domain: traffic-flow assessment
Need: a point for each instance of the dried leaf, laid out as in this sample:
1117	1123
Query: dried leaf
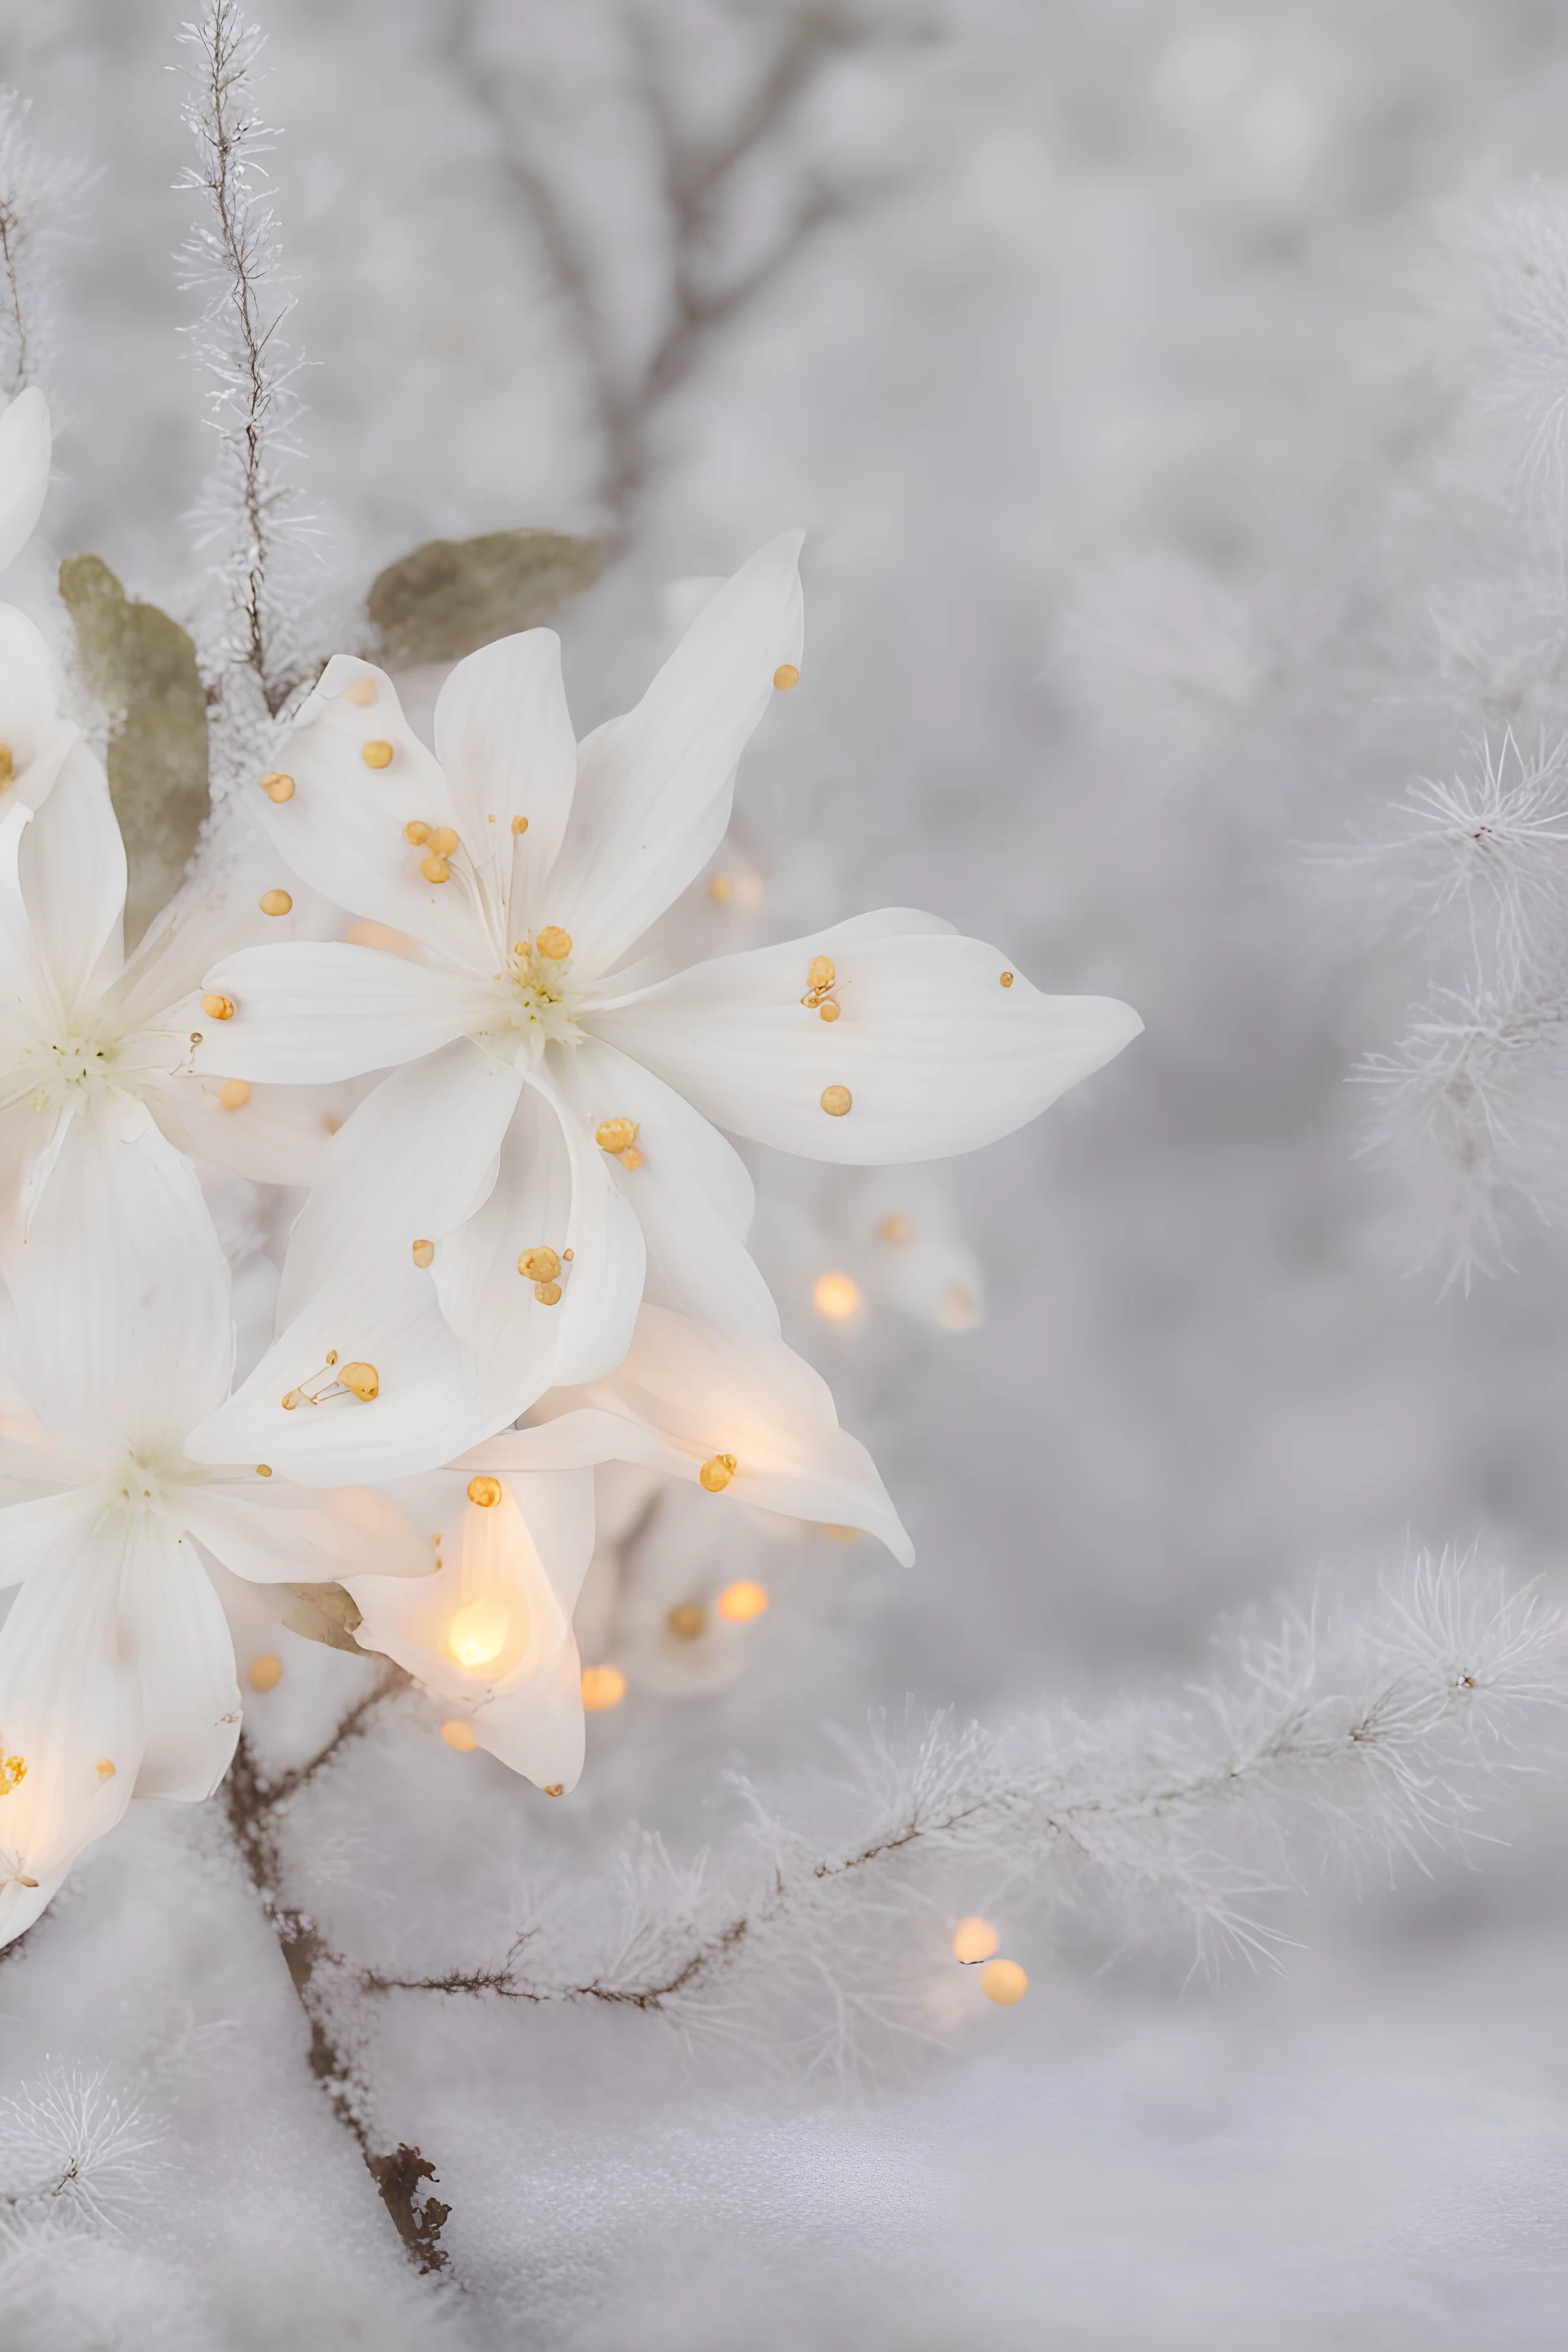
143	668
323	1613
452	595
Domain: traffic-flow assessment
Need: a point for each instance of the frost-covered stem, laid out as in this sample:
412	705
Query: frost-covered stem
233	257
1374	1725
34	198
256	1805
700	182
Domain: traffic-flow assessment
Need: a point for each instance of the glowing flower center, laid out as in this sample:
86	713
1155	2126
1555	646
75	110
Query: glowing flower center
57	1073
478	1632
145	1486
536	1002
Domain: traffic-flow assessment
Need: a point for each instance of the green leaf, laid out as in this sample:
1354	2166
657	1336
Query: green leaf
143	668
323	1613
453	595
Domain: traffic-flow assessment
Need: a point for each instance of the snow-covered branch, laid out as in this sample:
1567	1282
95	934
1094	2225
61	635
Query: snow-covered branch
35	198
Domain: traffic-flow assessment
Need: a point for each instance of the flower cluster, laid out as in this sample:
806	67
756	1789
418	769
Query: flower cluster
522	1254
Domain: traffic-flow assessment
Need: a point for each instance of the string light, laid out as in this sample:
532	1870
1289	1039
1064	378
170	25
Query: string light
741	1601
836	1297
1003	1981
603	1687
974	1939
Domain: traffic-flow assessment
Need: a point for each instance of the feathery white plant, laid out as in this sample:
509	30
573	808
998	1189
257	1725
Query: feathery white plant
74	2150
35	197
250	509
1358	1725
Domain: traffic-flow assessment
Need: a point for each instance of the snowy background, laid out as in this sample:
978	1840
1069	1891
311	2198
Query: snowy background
1154	393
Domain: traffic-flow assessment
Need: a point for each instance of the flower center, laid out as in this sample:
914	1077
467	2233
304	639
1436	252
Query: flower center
145	1486
61	1072
535	1004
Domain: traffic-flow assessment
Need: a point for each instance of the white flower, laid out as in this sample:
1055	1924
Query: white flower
549	1120
117	1674
26	451
82	1028
489	1633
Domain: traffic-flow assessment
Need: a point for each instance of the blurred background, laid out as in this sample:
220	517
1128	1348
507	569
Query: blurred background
1133	366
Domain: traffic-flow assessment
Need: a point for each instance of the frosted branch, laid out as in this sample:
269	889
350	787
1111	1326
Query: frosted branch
36	200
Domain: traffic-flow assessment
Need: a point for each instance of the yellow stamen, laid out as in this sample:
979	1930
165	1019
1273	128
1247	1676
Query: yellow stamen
278	786
687	1621
7	765
362	692
443	841
716	1475
568	1255
435	869
487	1493
416	831
556	1788
603	1687
377	753
837	1100
13	1772
276	902
615	1134
1006	979
456	1735
540	1264
720	889
218	1008
423	1253
362	1380
547	1293
105	1767
821	973
786	676
630	1158
264	1469
234	1094
519	824
553	943
265	1673
827	1010
22	1880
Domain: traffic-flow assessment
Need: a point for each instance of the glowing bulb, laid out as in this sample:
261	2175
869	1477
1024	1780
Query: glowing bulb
974	1940
740	1603
456	1735
603	1687
1003	1982
266	1674
477	1634
837	1295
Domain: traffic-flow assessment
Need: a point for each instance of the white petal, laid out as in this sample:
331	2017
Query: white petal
43	1528
26	452
503	735
304	1013
686	1395
416	1159
342	828
654	788
426	1410
553	1192
176	1638
26	992
69	1701
505	1589
122	1294
216	912
278	1135
31	726
272	1533
692	1193
72	866
937	1055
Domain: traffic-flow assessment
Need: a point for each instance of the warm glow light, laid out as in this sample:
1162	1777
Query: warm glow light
366	934
477	1634
837	1295
265	1673
958	1311
974	1939
603	1687
456	1735
1003	1982
740	1603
